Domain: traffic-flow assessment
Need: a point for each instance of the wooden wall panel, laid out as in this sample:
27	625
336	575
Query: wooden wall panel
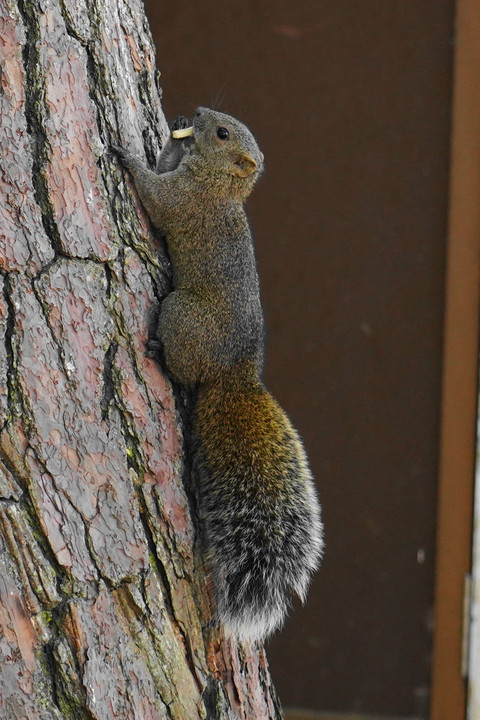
351	106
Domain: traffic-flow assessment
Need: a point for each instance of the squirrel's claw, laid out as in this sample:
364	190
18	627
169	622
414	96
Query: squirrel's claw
153	348
127	160
120	152
180	123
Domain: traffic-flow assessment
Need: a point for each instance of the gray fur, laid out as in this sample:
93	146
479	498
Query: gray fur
262	530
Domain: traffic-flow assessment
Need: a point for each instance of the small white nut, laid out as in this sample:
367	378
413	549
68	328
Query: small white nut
185	132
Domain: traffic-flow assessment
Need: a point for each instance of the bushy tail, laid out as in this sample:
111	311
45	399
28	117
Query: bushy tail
260	512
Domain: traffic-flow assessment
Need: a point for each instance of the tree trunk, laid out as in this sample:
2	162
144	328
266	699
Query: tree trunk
104	603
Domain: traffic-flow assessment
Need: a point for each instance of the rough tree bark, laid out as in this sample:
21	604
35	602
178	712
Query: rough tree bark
104	603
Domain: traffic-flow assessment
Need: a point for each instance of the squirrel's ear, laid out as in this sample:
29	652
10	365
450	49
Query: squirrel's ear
244	166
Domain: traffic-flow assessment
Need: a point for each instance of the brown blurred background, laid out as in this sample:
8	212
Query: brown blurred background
351	105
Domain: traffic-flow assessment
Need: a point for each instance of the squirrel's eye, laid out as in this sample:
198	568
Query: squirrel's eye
222	133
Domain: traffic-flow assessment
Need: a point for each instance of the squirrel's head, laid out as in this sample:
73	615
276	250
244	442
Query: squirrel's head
224	153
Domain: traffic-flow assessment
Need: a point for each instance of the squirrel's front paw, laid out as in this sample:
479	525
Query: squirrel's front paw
120	152
126	159
180	123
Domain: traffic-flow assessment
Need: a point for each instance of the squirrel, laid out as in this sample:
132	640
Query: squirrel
260	515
